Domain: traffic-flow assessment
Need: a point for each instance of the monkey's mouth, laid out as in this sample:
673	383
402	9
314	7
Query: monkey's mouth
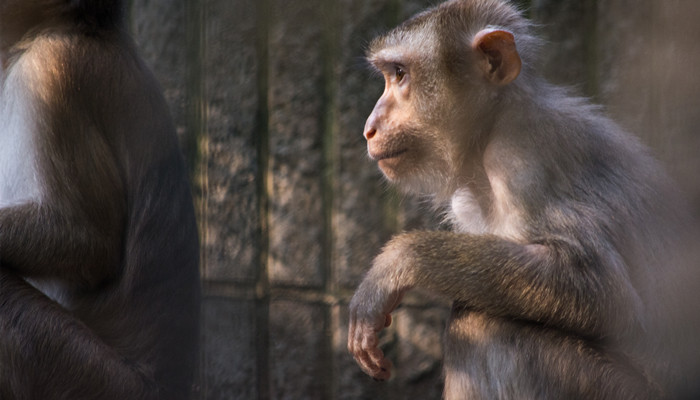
388	155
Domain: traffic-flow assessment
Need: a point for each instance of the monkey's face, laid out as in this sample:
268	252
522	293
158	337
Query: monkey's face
391	141
438	93
404	145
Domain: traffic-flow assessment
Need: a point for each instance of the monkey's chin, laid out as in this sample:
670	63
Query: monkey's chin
389	168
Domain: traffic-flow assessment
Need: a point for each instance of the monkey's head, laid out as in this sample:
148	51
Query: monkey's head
445	70
19	17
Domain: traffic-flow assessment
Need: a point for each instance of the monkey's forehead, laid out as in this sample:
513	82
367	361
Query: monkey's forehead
403	46
391	55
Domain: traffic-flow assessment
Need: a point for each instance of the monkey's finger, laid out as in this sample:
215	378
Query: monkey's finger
381	368
366	348
385	369
373	363
376	355
380	365
364	360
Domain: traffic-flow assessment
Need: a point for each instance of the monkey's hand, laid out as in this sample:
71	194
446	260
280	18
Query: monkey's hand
370	312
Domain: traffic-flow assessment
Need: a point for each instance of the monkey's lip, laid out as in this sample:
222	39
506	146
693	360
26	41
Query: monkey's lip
387	155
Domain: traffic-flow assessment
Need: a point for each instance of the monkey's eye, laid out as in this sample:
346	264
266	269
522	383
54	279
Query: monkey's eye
399	73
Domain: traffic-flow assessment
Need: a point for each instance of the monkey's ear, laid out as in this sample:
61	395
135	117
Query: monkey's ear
498	57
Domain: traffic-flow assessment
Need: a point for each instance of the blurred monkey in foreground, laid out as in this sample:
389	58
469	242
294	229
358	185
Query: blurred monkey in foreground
566	266
99	282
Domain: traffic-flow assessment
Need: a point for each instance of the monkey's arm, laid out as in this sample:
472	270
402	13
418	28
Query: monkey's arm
43	241
39	240
73	229
554	282
35	333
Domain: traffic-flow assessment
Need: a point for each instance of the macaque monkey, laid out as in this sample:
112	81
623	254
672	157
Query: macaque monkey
99	281
566	265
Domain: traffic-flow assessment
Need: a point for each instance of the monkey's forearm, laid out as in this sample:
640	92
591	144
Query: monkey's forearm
35	332
38	241
548	283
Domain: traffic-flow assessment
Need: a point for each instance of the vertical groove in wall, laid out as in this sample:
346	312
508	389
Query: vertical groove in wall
394	12
592	85
195	139
195	128
330	34
264	181
127	14
654	117
330	172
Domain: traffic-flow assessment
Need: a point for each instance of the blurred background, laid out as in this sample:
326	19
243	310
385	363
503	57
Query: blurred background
270	99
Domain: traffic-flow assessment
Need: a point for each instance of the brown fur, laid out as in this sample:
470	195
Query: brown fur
98	243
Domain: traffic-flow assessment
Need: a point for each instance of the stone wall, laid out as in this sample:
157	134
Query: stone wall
270	98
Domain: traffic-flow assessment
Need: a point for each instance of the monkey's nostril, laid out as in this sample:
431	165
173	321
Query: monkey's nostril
370	133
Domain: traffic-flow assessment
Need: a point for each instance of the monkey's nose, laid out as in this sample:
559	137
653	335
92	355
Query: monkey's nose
370	133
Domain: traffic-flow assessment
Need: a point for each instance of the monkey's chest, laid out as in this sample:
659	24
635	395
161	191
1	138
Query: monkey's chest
469	216
466	213
19	172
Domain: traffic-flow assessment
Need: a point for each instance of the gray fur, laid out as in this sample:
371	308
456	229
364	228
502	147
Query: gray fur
569	266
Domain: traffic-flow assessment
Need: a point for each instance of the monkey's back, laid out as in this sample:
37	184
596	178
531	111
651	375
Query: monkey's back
598	185
148	311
